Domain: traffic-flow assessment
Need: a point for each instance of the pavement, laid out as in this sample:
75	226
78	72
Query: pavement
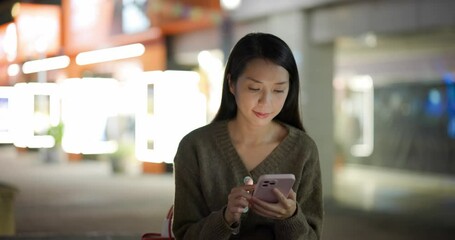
86	200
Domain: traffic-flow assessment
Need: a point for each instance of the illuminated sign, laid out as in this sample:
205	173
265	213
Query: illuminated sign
6	114
161	120
87	104
38	27
36	108
8	42
87	24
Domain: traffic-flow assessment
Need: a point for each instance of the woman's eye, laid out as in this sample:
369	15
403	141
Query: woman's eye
253	89
279	91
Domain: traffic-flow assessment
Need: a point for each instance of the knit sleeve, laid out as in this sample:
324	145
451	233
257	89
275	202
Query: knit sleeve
307	222
192	217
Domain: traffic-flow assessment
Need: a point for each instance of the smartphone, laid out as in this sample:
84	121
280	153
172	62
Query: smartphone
266	183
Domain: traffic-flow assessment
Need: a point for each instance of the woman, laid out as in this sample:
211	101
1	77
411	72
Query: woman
256	131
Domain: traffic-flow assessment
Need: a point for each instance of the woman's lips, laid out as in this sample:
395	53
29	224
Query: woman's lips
261	115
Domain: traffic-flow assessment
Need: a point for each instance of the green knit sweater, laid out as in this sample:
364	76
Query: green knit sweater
207	167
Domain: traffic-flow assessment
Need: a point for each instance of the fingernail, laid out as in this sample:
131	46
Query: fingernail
248	180
245	210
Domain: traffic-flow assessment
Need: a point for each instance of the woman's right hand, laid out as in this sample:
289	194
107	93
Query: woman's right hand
238	200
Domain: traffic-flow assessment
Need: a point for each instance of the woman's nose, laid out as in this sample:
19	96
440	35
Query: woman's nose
265	98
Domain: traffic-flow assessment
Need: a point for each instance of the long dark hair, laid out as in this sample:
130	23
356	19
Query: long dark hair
271	48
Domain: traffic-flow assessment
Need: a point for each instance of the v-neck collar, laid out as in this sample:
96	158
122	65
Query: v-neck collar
266	166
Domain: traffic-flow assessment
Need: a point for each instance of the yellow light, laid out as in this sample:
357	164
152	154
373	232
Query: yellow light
15	10
110	54
46	64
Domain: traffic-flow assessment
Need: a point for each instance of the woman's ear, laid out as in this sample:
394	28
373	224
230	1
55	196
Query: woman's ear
231	85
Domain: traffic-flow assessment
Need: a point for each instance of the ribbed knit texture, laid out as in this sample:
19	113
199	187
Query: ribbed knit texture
207	167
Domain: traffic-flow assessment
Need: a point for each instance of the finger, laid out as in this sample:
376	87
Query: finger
273	213
287	203
264	207
281	198
249	182
232	214
241	191
280	210
292	195
244	203
238	202
244	192
249	188
234	211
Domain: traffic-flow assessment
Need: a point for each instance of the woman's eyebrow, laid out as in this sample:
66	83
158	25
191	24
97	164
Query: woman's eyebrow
282	83
254	80
258	81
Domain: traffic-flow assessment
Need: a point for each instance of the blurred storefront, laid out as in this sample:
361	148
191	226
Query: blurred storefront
99	50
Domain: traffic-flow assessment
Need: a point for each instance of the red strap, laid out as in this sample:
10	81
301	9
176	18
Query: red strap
170	216
170	212
148	236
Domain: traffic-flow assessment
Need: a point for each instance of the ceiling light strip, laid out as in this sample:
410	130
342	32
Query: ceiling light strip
46	64
110	54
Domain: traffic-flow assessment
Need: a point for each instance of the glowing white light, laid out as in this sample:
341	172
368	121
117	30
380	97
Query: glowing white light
364	85
41	44
230	4
207	60
180	116
6	114
110	54
360	83
46	64
13	70
134	18
86	105
29	120
211	63
10	42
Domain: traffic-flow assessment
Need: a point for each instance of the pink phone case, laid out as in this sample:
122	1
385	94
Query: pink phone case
267	182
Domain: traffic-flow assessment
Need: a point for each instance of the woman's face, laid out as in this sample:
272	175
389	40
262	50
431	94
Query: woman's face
260	91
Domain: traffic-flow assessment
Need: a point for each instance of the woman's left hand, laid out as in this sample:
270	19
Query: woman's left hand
283	209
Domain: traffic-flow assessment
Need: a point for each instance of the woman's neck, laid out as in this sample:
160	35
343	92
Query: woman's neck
245	133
